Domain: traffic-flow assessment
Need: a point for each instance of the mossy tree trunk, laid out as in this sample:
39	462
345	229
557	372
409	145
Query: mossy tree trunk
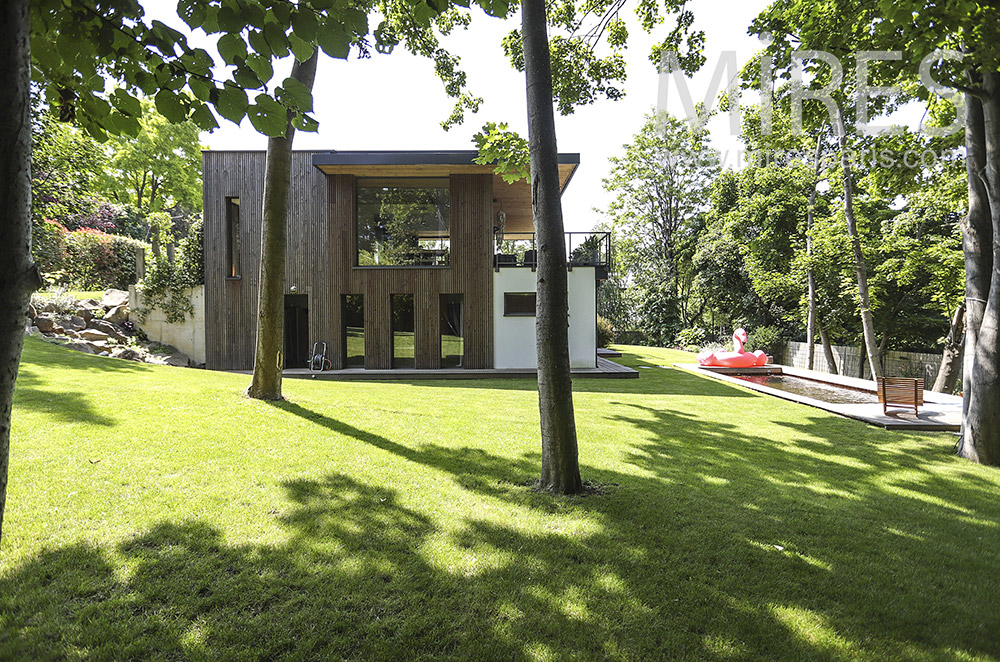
18	274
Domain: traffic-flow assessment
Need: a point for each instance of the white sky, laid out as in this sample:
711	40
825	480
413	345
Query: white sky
396	102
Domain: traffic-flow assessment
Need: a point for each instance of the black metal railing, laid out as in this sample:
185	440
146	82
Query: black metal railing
583	249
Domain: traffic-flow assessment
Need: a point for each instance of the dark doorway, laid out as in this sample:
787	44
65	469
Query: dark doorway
353	317
452	331
297	350
402	331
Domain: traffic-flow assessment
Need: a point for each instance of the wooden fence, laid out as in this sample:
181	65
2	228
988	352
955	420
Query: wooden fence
850	362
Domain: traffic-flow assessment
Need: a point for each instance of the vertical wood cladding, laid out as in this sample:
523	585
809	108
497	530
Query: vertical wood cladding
470	272
320	264
231	304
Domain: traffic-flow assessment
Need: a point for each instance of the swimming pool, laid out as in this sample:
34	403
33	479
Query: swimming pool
812	388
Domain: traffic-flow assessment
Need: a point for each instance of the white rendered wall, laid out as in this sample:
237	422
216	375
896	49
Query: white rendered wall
187	336
514	337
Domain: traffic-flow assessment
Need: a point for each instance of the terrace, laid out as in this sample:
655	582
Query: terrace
583	249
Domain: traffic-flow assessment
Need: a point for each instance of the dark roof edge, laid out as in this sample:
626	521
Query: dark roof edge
412	157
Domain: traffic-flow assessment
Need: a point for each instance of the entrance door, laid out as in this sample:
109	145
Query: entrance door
297	349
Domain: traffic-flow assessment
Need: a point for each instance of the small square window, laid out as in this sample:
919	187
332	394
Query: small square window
519	304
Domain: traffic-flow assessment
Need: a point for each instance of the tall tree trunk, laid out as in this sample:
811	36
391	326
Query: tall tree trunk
981	430
977	238
810	279
267	364
831	360
560	461
860	265
18	274
951	359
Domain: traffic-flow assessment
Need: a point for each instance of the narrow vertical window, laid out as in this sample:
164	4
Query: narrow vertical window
402	331
452	331
232	237
353	316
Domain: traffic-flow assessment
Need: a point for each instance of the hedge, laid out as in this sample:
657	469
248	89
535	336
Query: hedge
85	259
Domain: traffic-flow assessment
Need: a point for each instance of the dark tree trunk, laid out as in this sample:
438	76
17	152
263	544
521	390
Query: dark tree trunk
981	429
560	461
810	279
831	360
268	361
18	274
951	359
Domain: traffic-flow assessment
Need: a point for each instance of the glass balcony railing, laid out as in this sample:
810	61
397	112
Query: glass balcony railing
583	249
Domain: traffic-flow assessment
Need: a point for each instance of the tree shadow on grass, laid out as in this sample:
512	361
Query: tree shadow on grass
65	406
828	545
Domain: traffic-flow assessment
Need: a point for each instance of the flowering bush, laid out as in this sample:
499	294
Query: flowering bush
86	259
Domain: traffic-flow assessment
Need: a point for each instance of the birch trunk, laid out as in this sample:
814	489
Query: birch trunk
18	274
860	265
560	462
267	367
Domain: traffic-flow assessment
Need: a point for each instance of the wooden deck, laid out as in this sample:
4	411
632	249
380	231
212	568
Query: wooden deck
605	370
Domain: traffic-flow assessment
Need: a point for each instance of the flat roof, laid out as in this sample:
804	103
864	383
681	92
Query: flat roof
411	157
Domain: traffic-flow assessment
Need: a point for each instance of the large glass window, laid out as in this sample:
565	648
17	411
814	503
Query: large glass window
452	331
232	237
353	316
402	331
403	222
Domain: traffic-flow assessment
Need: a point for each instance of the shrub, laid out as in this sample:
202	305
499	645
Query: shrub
57	300
690	338
166	283
605	332
48	245
94	260
632	337
766	338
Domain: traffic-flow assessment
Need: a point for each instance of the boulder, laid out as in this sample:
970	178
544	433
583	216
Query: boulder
32	313
49	306
32	331
85	314
70	333
80	347
178	360
117	315
114	299
126	353
92	334
44	324
74	322
107	327
98	346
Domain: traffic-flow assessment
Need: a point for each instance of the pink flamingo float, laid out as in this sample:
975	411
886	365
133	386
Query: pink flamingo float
736	359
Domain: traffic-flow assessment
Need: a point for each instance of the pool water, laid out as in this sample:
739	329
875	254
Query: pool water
811	388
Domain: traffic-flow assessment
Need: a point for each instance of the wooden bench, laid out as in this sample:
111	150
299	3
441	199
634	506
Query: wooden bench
900	392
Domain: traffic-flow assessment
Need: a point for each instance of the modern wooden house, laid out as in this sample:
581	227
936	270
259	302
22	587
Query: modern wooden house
418	260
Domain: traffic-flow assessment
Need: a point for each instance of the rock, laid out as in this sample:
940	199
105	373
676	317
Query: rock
70	333
45	324
114	299
32	331
98	346
117	315
178	360
80	347
89	304
107	327
85	314
49	306
32	313
126	353
74	322
92	334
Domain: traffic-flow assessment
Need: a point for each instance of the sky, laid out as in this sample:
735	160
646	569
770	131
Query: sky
396	102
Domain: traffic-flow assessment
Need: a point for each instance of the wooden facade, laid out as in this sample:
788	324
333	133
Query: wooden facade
321	264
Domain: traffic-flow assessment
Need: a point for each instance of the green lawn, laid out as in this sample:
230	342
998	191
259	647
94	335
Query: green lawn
155	513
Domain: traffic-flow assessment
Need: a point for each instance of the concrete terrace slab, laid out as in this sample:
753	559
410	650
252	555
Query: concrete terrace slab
941	412
605	370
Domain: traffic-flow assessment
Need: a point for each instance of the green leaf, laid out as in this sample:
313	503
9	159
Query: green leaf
268	116
305	123
301	49
298	96
169	105
125	103
334	40
192	12
201	88
232	103
276	39
230	21
304	25
244	76
261	66
204	118
259	43
232	46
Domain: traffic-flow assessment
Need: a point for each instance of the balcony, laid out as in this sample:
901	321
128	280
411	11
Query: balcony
583	249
